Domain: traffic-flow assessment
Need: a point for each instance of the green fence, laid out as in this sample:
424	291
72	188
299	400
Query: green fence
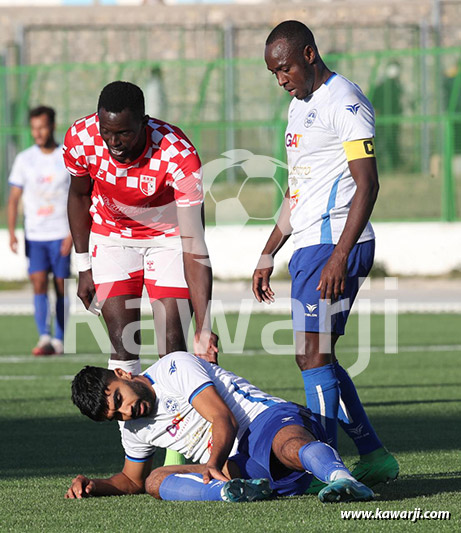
229	104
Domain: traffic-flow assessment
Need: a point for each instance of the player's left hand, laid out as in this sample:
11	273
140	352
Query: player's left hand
210	472
66	246
206	345
333	277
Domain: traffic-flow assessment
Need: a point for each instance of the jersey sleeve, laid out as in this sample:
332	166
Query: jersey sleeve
353	117
74	155
183	374
17	175
185	168
135	450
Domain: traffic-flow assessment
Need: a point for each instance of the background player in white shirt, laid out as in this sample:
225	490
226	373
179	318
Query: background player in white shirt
40	178
333	185
209	414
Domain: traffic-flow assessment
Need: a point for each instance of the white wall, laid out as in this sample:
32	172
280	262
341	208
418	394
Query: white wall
402	248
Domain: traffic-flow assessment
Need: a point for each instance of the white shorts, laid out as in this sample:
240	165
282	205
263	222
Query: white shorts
124	270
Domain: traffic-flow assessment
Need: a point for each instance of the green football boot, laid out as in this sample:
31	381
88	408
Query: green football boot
345	490
246	490
376	467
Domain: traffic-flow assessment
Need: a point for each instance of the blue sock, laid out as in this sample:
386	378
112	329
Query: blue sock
190	487
322	460
352	417
322	398
62	308
41	313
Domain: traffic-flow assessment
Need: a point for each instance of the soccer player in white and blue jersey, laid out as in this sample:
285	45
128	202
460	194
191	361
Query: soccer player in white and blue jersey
332	188
248	444
40	178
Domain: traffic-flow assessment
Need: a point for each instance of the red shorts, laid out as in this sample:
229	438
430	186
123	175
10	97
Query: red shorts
125	270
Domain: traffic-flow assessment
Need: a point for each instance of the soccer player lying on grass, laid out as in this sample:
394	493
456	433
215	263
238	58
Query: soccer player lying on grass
248	444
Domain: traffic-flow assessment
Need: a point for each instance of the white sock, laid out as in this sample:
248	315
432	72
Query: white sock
133	365
340	474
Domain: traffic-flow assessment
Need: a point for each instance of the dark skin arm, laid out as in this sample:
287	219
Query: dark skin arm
333	278
224	430
198	274
78	211
279	236
129	481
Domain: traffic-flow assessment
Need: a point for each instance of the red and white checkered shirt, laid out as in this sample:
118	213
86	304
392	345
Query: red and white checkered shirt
136	200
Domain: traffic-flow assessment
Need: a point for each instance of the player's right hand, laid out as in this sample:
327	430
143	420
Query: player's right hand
86	291
261	276
14	244
81	487
261	286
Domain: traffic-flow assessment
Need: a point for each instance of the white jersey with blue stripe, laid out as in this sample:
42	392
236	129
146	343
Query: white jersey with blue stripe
177	379
320	182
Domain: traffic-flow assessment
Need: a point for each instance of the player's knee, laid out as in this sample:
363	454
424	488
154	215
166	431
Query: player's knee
288	452
153	482
175	340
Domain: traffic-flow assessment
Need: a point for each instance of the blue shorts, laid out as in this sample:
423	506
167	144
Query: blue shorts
46	255
254	455
309	313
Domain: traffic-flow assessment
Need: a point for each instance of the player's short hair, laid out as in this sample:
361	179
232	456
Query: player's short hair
43	110
297	35
120	95
89	388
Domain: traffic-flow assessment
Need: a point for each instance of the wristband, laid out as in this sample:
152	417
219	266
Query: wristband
83	261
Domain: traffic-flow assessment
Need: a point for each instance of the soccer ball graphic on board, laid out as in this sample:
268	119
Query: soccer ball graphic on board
252	196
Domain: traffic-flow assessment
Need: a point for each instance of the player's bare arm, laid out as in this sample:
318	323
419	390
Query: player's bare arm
66	245
224	430
365	174
13	202
78	209
279	236
198	274
129	481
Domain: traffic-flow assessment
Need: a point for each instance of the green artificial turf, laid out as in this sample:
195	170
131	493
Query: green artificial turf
413	399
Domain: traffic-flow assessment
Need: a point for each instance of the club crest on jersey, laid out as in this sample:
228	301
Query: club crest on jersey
310	117
171	405
147	184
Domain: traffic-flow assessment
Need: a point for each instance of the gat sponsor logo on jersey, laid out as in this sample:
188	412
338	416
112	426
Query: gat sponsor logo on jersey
292	140
173	428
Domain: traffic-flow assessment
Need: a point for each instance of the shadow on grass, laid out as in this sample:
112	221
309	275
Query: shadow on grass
60	446
69	445
418	485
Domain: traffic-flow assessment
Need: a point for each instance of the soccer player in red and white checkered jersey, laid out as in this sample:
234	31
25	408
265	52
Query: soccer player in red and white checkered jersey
136	190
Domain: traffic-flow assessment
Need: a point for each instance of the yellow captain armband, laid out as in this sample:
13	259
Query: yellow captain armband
359	149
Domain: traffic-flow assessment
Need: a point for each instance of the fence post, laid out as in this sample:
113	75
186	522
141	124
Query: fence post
448	188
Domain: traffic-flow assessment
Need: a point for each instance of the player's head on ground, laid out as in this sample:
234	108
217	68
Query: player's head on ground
103	394
291	54
122	120
42	122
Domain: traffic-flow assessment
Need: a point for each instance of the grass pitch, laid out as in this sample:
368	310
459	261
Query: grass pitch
413	399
